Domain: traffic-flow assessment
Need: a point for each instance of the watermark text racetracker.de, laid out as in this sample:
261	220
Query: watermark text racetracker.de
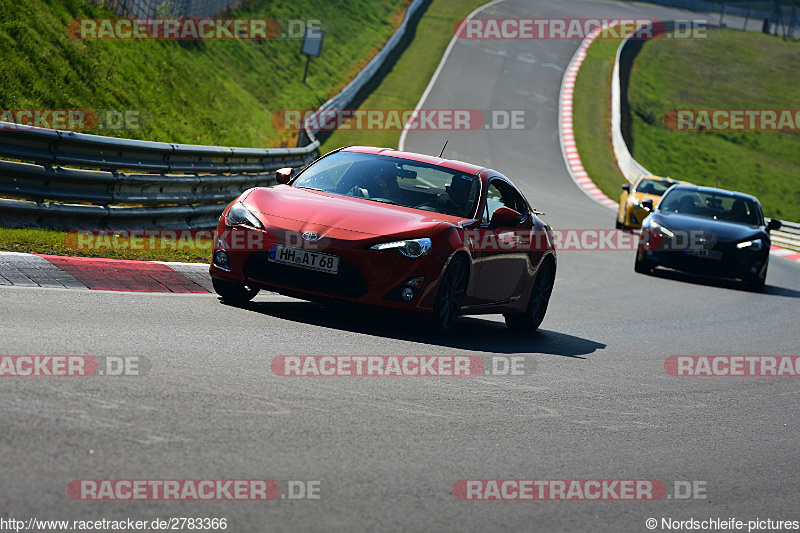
733	365
733	119
192	489
395	366
73	119
577	28
192	29
398	119
72	366
578	490
497	239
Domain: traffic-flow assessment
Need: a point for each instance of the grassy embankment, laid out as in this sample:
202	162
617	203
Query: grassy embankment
400	89
200	92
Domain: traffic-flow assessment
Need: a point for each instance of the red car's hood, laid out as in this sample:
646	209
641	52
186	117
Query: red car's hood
329	214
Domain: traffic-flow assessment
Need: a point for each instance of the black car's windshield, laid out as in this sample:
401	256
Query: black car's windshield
717	206
392	180
656	187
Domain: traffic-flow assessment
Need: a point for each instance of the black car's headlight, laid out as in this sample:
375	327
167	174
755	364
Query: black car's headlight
655	226
239	214
753	245
413	248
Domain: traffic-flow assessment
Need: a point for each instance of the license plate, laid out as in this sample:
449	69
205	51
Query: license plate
705	254
299	257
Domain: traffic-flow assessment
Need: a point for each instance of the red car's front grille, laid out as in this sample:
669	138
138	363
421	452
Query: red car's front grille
348	282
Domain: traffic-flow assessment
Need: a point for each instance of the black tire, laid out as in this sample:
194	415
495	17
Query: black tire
619	225
756	283
450	295
532	318
232	292
642	266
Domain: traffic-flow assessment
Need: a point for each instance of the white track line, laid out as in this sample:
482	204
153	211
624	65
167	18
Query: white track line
402	142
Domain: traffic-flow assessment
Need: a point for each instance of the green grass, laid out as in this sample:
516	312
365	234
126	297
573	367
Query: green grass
206	92
591	116
729	70
404	85
44	241
210	92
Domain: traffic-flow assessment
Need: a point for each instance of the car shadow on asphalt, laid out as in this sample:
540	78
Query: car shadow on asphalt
723	283
473	334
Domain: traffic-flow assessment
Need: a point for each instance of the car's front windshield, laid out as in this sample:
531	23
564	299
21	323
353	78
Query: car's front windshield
713	205
655	187
394	180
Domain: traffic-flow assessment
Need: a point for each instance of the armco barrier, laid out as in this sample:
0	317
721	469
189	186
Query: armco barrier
122	183
142	184
783	18
787	237
629	167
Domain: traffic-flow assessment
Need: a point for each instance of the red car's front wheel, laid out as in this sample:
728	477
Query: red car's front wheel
450	295
233	292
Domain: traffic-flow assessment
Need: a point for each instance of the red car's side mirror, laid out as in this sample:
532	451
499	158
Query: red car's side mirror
283	175
505	216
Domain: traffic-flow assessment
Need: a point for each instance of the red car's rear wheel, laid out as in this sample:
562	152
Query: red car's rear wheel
540	298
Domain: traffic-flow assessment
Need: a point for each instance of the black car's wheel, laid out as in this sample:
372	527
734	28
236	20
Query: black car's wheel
756	283
540	297
450	295
642	265
233	292
619	225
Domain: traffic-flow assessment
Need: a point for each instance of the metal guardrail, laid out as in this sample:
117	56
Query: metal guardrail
789	234
630	168
131	183
123	183
783	19
787	237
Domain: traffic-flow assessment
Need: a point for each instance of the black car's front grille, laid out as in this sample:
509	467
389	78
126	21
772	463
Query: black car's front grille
732	262
348	282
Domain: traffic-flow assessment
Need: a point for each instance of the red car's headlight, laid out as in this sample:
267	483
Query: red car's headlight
413	248
239	214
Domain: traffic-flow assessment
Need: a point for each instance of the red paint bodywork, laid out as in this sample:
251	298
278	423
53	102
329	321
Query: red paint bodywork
500	281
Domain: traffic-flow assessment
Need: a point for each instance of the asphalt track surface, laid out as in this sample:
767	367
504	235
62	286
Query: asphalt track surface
594	402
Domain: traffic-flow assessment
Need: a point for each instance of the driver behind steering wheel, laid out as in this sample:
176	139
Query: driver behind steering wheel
454	201
378	184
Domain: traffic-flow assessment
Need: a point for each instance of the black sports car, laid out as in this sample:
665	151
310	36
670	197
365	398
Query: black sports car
707	231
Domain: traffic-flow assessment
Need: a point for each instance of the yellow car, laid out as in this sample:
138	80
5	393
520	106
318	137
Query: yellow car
631	211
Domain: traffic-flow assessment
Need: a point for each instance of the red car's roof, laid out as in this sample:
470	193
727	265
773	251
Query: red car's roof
452	164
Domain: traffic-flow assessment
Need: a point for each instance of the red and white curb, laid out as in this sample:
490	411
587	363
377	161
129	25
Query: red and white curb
51	271
569	149
786	254
566	133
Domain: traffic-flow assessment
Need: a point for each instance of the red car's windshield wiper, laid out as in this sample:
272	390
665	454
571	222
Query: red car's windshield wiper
384	201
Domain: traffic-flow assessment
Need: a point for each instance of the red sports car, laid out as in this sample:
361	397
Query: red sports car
392	229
